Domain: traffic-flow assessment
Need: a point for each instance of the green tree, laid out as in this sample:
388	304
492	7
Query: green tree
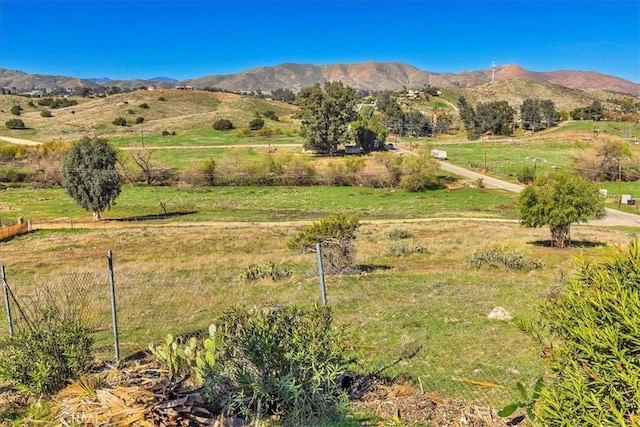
591	345
119	121
90	175
369	131
538	114
326	113
223	124
256	124
442	123
15	124
558	200
284	95
495	117
416	124
469	118
392	115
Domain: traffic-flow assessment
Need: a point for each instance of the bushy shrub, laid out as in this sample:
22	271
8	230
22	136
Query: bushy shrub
591	344
402	248
12	174
41	360
399	234
337	234
269	270
139	120
162	98
16	110
10	152
57	102
119	121
419	173
15	124
131	111
223	124
525	175
45	113
501	258
144	105
284	361
270	114
265	132
243	132
207	172
256	123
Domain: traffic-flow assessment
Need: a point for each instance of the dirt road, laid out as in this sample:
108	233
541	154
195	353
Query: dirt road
614	217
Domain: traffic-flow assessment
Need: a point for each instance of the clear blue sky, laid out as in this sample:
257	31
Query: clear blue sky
188	39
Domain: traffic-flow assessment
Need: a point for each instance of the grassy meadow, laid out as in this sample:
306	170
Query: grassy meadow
176	279
247	204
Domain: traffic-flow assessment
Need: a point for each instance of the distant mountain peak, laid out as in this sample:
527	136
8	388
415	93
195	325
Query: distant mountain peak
163	79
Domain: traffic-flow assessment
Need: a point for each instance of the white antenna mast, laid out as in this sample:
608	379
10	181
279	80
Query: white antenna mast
493	72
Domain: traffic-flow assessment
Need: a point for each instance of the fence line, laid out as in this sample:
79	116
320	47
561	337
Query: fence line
82	296
10	231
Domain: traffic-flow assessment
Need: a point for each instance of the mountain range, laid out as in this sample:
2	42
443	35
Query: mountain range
372	76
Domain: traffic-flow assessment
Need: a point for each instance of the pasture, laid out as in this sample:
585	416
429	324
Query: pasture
176	278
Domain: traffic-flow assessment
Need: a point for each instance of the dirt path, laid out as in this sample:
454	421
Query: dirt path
19	141
202	147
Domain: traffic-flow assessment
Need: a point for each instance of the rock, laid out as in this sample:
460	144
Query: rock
499	313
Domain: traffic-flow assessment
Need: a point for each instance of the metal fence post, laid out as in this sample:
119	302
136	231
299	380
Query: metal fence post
114	313
323	289
7	306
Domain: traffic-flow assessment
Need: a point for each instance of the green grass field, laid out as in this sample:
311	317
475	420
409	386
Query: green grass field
266	203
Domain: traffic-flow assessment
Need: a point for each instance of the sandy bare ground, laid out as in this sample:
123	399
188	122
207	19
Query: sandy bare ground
19	141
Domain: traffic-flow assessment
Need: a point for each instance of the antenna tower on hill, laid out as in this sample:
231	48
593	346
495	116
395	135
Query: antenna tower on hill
493	72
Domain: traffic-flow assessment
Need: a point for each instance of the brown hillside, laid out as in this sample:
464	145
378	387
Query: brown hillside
182	111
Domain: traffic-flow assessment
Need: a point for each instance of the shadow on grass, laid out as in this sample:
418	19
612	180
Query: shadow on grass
368	268
580	244
153	217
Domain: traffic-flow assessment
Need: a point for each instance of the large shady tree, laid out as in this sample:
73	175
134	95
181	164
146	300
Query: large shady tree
326	112
90	175
557	200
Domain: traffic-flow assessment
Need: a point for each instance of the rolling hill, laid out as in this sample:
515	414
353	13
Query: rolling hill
373	76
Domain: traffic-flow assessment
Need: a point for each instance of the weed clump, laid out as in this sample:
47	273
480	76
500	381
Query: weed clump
269	270
278	361
41	359
501	258
402	248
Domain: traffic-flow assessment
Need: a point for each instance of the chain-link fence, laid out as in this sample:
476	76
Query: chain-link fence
84	296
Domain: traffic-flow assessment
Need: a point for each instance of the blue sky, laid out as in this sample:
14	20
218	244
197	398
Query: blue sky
193	38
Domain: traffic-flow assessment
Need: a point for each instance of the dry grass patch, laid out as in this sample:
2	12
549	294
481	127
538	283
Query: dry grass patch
178	279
